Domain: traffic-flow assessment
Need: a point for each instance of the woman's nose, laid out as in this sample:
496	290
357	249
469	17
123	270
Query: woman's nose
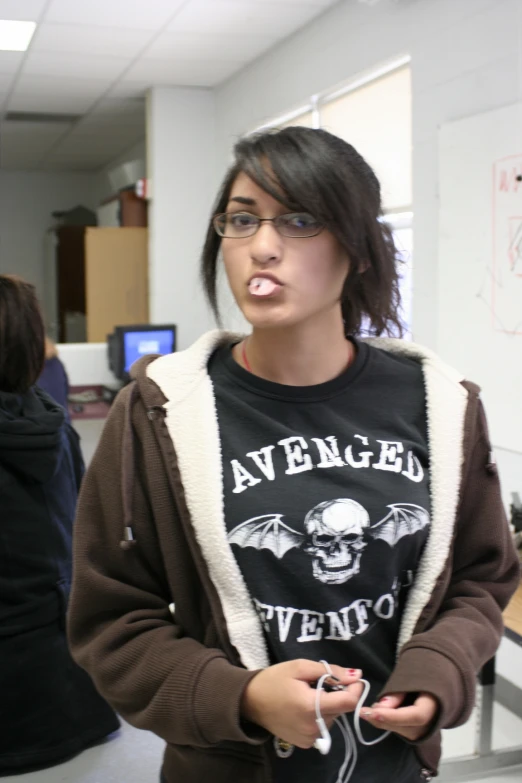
266	245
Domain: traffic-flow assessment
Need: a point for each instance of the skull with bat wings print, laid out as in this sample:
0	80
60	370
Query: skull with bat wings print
334	537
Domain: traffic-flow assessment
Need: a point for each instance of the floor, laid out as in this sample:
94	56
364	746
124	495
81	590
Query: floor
135	756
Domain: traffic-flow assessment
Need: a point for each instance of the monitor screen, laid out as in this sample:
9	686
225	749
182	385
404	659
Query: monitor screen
145	341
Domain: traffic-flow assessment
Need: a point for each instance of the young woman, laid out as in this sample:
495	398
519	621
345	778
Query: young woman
260	504
49	708
53	378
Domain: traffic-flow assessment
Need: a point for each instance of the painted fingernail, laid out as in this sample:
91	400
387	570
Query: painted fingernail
385	700
353	672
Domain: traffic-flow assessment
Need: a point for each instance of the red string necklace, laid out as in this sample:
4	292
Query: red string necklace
244	357
246	363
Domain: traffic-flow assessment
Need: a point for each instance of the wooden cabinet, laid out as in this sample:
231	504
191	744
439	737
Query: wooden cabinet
97	279
116	280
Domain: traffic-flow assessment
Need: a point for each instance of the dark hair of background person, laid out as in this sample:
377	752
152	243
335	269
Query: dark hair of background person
22	335
314	171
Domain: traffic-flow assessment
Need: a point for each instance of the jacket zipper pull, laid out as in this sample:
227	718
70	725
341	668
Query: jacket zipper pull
128	538
156	410
491	465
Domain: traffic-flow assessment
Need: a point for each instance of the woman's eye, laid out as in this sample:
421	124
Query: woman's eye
242	220
300	220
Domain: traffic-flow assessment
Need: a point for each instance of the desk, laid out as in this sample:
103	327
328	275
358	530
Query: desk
513	615
89	410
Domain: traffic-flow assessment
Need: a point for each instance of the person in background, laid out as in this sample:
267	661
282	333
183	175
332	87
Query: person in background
49	708
53	378
301	495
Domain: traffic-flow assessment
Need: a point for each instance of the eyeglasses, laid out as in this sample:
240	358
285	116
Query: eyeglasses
236	225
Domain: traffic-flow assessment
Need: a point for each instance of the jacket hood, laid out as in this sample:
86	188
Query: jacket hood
178	386
31	432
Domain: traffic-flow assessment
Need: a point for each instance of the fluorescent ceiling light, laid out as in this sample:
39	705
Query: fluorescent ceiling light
15	36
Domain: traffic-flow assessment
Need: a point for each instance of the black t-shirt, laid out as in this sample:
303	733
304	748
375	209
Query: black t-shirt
326	493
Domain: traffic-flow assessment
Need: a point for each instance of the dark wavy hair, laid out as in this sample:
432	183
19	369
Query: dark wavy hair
317	172
22	335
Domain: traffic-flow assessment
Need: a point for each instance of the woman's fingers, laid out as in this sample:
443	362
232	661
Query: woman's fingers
340	702
411	722
392	701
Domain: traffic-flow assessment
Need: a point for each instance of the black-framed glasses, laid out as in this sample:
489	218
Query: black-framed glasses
236	225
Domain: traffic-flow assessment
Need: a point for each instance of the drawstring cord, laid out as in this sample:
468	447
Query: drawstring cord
128	466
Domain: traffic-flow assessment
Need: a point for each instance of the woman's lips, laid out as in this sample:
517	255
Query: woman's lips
264	287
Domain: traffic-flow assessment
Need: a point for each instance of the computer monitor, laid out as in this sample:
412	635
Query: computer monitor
129	343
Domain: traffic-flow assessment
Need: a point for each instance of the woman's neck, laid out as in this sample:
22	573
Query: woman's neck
306	355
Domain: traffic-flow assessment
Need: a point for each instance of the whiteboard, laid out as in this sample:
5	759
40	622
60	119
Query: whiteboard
480	262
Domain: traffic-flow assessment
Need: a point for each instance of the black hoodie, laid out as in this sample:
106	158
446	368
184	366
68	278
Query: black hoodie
40	472
49	708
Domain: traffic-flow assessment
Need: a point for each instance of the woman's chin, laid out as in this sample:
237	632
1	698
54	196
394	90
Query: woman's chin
267	317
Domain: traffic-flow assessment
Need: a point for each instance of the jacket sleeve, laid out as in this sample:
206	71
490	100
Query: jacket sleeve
76	456
120	627
445	659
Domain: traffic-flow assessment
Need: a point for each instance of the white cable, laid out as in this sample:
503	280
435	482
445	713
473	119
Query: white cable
351	754
350	744
357	718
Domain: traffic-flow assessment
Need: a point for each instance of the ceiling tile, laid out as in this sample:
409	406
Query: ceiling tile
236	17
56	94
150	15
116	107
200	73
41	133
49	104
195	46
60	86
89	40
23	145
75	66
22	10
10	61
104	128
126	115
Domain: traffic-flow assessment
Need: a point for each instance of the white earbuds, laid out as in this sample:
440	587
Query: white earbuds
324	742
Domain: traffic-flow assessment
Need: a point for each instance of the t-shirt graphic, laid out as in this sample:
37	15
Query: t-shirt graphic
327	510
335	537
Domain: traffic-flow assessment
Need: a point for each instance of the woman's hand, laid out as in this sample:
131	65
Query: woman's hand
409	722
281	700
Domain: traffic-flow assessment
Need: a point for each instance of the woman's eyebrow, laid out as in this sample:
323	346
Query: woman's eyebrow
250	202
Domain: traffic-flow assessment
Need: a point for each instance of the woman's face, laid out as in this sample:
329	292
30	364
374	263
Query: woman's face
280	281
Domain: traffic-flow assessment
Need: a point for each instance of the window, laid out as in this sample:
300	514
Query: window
376	119
374	114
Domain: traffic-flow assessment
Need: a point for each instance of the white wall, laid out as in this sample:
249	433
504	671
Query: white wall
465	60
181	164
102	184
27	200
